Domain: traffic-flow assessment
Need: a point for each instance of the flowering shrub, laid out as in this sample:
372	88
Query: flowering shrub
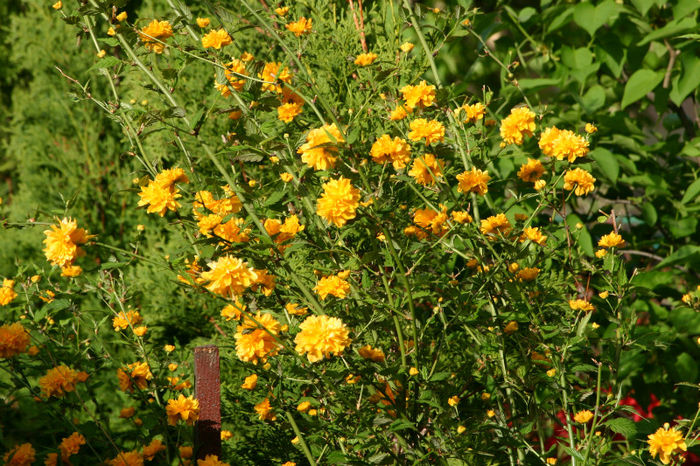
397	268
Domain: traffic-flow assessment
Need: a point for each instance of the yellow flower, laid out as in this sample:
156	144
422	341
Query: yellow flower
373	354
172	367
495	225
431	220
233	311
528	274
137	373
303	406
520	123
282	11
365	59
399	113
321	336
14	340
511	327
125	318
665	442
533	234
122	16
413	371
62	242
299	27
461	429
127	413
582	417
490	413
265	411
590	128
183	408
432	131
161	194
226	434
71	445
101	54
453	400
531	171
551	372
235	72
551	460
250	382
580	181
406	47
563	144
486	396
611	240
128	458
271	72
540	184
286	177
581	304
397	151
339	201
473	112
461	216
60	380
7	292
203	22
152	449
474	181
159	30
426	169
288	111
71	271
111	31
319	148
20	455
169	348
333	285
229	276
421	95
216	39
58	5
256	338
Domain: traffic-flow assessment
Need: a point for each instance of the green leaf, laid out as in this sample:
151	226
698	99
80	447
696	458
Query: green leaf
612	54
105	62
649	214
623	426
686	368
684	255
584	237
672	28
594	99
643	5
692	192
640	84
607	162
684	7
274	198
681	227
592	18
688	80
537	83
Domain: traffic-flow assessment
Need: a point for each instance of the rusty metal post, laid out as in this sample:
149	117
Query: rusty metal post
208	391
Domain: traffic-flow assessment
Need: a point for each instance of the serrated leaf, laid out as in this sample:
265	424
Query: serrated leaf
692	192
105	62
623	426
640	84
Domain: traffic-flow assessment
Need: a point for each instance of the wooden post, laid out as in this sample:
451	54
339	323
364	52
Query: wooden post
208	391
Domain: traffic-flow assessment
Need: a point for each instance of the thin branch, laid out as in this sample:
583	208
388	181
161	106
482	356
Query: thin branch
359	25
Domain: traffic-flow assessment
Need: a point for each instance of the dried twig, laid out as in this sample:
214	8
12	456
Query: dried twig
359	25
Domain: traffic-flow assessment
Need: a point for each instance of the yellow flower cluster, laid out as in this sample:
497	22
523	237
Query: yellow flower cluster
611	240
427	169
265	411
273	75
495	225
474	181
70	446
339	202
517	125
300	27
580	181
161	194
60	380
320	147
291	105
7	292
581	305
428	221
321	336
14	340
235	72
125	319
334	285
421	95
397	151
62	242
373	354
365	59
284	231
229	276
432	131
531	171
256	338
183	408
20	455
563	144
137	373
473	112
156	31
216	39
666	442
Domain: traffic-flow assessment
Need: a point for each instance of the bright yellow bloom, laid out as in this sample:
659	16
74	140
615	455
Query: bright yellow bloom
127	458
20	455
551	372
397	151
222	207
495	225
152	449
611	240
211	460
562	144
580	181
71	271
474	181
62	242
288	111
373	354
365	59
60	380
101	53
7	292
265	411
282	11
299	27
590	128
665	442
14	340
490	413
421	95
520	123
319	149
332	285
321	336
203	22
58	5
233	311
235	72
271	72
540	184
432	131
581	304
250	382
111	31
71	445
426	169
399	113
461	216
534	234
406	47
339	202
511	327
229	276
582	417
126	413
256	338
295	309
528	274
531	171
183	408
123	319
137	373
461	430
473	112
286	177
430	220
161	194
122	16
551	460
216	39
303	406
159	30
226	434
453	401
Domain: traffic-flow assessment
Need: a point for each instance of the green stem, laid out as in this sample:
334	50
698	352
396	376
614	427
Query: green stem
304	447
